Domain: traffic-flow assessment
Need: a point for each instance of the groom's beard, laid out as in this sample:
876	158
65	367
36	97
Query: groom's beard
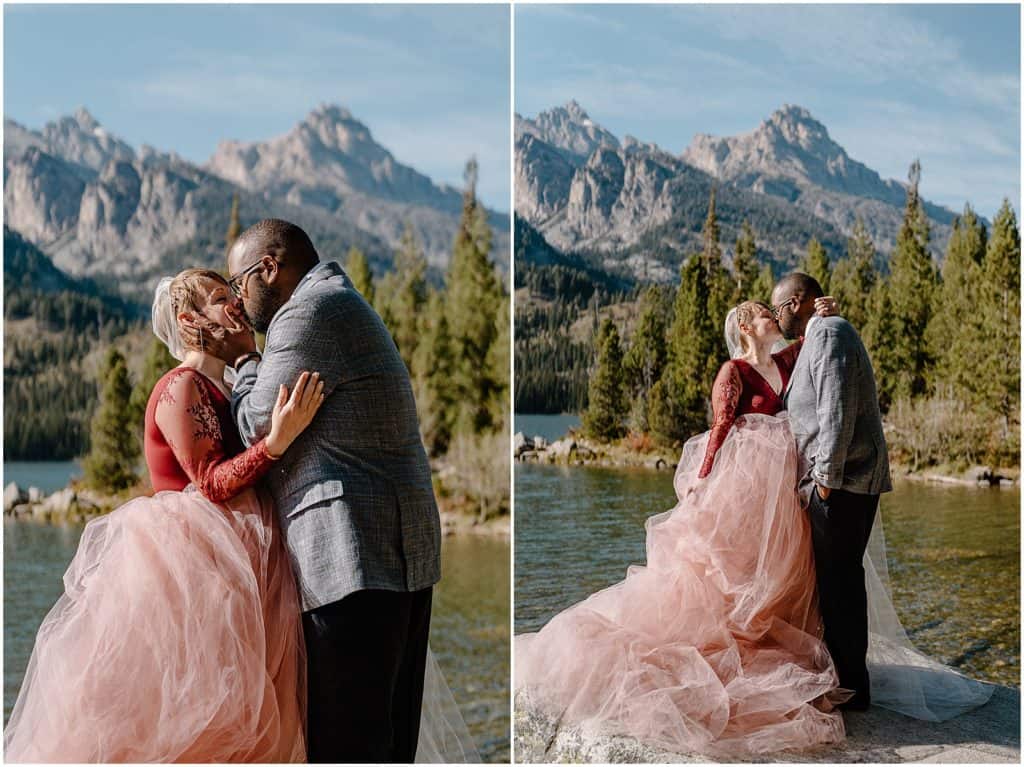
263	307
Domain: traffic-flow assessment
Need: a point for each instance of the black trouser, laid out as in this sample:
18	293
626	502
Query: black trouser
366	655
840	528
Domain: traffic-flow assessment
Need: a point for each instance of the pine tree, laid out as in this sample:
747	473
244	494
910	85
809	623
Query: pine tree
880	339
816	264
499	360
1001	317
234	225
679	399
402	295
744	265
358	270
912	284
473	294
720	287
606	408
434	363
646	358
110	464
854	277
955	329
763	285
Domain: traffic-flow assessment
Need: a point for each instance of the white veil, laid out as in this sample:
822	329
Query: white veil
443	738
165	321
903	679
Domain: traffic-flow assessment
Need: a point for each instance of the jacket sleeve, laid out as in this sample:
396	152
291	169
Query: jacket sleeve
834	375
187	419
725	398
299	339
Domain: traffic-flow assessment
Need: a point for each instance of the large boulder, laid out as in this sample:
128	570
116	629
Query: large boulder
520	444
59	503
13	495
35	495
562	448
539	443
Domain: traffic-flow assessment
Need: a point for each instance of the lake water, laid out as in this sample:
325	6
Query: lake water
48	476
954	555
469	629
551	427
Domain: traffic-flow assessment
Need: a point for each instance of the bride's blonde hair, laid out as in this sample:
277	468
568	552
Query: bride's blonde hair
187	295
745	314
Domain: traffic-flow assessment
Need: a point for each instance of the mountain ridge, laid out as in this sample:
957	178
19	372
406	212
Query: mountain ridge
633	201
99	207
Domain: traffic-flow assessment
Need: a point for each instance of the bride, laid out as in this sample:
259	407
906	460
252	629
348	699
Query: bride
716	645
179	636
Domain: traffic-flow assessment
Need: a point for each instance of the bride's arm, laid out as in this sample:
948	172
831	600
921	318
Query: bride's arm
189	423
725	398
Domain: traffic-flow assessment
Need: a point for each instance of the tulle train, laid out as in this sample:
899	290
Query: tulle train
715	645
178	639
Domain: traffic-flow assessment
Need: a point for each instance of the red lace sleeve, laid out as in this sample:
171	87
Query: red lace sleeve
725	398
189	423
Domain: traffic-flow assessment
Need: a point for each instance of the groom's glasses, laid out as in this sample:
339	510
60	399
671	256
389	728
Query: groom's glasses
777	310
235	282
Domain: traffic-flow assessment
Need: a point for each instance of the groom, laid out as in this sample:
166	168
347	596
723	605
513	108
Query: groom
844	466
353	494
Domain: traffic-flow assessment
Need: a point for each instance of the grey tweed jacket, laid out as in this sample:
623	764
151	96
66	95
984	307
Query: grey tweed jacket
353	492
833	411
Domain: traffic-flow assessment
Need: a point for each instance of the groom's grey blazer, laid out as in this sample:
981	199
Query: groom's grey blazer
353	492
833	412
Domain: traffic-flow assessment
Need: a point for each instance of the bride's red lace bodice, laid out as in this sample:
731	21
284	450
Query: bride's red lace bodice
739	390
190	437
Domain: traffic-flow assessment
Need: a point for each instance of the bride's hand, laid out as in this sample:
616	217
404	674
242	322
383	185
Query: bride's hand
826	306
293	414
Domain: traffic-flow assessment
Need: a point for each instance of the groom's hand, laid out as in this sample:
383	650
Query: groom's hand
823	492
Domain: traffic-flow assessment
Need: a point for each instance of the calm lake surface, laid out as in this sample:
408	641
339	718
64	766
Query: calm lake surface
48	476
469	630
954	556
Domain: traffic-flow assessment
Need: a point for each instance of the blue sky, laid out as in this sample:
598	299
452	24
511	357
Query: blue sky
890	83
431	82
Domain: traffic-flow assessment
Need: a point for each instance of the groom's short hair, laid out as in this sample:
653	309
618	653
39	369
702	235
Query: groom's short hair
800	284
285	241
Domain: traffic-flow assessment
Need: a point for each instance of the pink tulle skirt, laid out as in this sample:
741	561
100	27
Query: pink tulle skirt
715	645
178	639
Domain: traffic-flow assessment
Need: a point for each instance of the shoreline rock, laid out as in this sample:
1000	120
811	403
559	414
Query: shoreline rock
572	450
990	734
75	504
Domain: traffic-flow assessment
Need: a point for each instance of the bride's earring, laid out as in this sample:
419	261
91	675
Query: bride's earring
202	343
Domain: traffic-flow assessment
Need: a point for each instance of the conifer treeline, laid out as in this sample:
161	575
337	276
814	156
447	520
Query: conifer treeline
944	345
455	342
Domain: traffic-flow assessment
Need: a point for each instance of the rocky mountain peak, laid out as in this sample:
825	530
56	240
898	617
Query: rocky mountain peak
795	126
568	128
84	119
335	128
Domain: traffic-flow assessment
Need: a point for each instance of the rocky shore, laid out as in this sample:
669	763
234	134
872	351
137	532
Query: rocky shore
76	505
575	450
990	734
72	504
